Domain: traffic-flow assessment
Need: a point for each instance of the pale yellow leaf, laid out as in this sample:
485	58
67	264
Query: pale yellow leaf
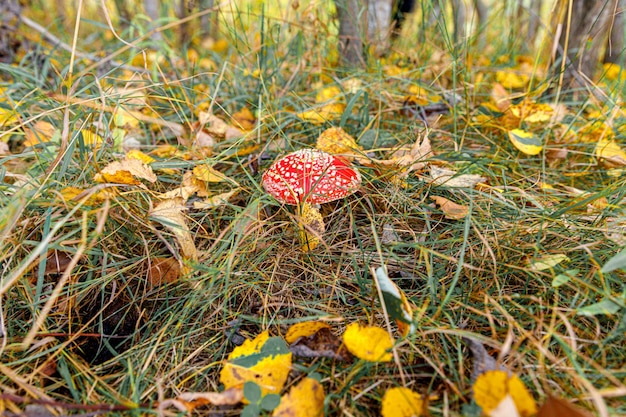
548	261
449	178
215	200
126	171
306	399
170	214
611	152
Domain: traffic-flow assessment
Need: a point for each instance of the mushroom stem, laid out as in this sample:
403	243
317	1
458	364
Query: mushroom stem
310	226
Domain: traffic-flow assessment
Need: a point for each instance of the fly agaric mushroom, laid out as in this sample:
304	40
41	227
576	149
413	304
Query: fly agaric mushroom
309	177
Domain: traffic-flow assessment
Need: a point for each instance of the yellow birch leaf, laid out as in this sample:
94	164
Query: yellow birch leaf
304	329
451	210
137	154
335	141
208	174
328	93
610	151
402	402
326	113
311	227
264	360
170	214
245	119
7	116
90	138
512	80
526	142
612	71
126	171
306	399
492	387
370	343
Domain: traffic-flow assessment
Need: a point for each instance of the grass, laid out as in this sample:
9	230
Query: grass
469	277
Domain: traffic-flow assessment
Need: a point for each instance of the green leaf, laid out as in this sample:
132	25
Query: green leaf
252	392
564	278
270	402
251	410
616	262
605	306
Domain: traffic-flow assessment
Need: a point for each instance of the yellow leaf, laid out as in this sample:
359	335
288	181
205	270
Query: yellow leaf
7	116
74	193
215	200
326	113
532	112
244	119
306	399
170	214
90	138
512	80
612	71
137	154
304	329
396	303
451	210
402	402
40	132
611	152
328	93
311	227
492	387
264	360
370	343
208	174
335	141
126	171
526	142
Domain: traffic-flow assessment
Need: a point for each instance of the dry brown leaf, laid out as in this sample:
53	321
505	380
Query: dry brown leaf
451	210
214	200
501	97
218	127
163	271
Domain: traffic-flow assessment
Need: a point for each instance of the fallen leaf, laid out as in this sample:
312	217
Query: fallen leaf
163	271
40	132
412	158
90	138
450	209
215	200
304	329
305	399
335	140
402	402
265	360
244	118
326	113
558	407
482	361
170	214
506	408
548	262
329	93
126	171
609	151
208	174
189	401
492	387
137	154
443	176
527	142
396	303
369	343
512	79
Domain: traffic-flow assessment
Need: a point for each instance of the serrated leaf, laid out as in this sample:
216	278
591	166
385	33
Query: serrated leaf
616	262
605	306
527	142
396	304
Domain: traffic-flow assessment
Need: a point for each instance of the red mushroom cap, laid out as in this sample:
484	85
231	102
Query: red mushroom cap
311	176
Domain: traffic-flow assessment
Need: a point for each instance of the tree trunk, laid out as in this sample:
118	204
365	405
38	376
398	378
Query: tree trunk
615	52
9	20
152	10
379	17
351	14
534	18
590	23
